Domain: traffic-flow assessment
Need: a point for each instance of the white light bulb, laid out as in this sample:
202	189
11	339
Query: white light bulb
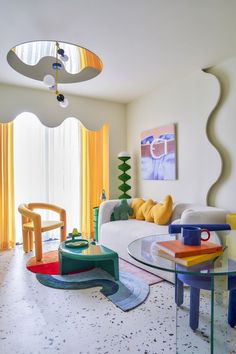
64	58
48	80
64	103
53	88
123	154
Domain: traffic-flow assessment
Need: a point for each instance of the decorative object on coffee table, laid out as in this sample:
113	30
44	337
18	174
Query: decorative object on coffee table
75	233
124	177
75	243
76	239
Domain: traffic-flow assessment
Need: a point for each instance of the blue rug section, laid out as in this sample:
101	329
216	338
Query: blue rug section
127	293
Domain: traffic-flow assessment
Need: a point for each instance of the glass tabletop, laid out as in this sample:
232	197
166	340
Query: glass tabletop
145	250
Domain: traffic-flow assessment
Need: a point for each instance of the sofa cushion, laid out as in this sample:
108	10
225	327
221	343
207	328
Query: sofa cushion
161	213
146	210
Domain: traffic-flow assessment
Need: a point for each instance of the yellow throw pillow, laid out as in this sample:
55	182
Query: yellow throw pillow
136	206
146	210
161	213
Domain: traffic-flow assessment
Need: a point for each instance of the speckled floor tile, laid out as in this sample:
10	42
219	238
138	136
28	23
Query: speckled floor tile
35	319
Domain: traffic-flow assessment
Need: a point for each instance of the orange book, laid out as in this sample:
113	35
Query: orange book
176	248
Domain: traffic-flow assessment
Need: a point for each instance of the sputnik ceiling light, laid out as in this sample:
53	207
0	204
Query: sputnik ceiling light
54	62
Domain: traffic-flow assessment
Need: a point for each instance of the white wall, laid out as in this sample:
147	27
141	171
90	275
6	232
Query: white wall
187	103
91	112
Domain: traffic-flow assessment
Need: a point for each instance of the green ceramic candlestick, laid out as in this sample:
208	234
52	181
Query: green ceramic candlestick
124	177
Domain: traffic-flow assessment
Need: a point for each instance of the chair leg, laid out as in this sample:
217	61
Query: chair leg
232	308
25	240
63	228
31	240
38	245
62	233
194	307
179	291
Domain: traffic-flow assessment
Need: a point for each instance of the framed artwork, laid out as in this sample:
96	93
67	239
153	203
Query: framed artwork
158	155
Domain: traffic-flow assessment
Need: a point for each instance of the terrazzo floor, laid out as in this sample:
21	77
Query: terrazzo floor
35	319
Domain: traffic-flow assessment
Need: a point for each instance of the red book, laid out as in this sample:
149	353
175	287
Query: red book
177	249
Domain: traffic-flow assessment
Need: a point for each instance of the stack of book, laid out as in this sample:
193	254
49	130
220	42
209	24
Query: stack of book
187	256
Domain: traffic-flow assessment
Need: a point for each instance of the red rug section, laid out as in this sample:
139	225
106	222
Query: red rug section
47	268
48	265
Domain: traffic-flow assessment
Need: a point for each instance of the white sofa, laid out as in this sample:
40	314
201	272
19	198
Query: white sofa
117	235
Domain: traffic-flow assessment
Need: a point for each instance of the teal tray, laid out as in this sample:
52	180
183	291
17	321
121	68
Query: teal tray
76	243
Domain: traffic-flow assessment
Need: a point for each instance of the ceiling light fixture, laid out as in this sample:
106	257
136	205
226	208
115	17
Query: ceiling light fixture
54	62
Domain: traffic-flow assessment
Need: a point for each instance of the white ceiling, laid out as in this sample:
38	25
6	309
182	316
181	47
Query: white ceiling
142	43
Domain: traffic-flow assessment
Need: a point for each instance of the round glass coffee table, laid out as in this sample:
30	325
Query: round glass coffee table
73	259
218	272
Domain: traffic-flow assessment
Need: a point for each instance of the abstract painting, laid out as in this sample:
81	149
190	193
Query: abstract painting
158	155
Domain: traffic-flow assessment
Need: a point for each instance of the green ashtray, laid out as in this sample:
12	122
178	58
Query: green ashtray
76	243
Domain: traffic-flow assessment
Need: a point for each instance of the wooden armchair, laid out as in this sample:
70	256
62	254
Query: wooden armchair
32	223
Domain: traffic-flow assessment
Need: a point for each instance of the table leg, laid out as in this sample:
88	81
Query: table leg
219	308
110	265
190	335
68	265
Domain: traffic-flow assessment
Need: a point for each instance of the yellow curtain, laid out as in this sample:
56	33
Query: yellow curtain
7	218
94	174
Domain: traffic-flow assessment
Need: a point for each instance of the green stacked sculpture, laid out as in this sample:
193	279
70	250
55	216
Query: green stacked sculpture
124	177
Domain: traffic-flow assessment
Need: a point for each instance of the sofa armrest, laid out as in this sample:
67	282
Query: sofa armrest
205	215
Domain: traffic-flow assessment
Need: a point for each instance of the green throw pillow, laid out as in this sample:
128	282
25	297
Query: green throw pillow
121	211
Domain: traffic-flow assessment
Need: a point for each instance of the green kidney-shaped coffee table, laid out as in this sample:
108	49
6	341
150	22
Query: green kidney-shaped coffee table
93	255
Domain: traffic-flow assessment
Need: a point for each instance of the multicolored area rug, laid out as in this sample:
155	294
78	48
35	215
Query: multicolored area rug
130	291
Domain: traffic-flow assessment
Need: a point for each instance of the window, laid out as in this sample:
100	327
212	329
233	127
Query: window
47	167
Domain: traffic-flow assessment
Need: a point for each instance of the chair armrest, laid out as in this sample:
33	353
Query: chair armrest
27	213
46	206
52	207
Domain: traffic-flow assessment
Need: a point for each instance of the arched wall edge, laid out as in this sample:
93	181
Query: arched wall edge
15	100
92	113
213	140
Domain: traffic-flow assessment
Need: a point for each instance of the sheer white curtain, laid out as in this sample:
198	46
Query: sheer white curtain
47	167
